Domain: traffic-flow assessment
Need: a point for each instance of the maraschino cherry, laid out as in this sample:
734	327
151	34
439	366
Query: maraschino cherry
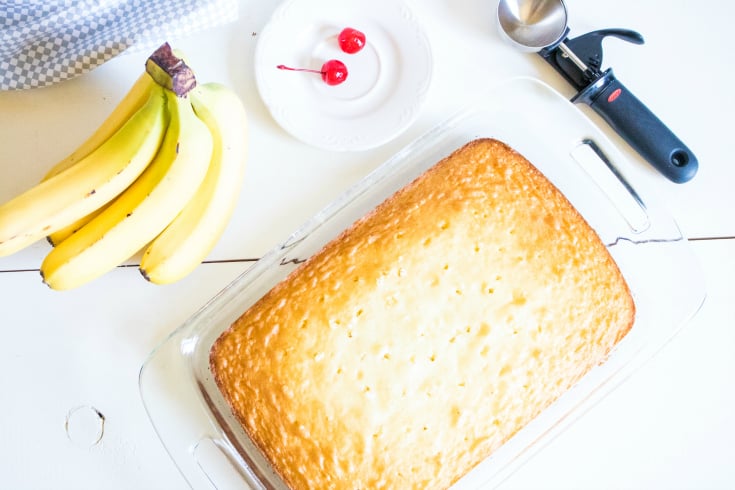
333	72
351	40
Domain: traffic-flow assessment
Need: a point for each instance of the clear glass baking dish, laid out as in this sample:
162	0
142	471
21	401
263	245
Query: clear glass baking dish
192	418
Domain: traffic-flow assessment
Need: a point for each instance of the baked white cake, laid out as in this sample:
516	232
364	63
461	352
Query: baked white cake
415	344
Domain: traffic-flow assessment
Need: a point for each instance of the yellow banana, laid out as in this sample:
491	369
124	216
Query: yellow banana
143	210
129	105
186	242
87	185
59	236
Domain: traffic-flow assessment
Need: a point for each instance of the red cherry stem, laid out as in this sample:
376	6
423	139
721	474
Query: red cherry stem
284	67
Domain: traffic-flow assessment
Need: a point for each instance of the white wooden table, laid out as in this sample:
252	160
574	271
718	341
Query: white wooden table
67	357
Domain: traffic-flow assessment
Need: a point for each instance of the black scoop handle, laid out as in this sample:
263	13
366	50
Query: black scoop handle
640	128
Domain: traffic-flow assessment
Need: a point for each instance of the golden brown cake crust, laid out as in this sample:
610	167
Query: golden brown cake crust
417	342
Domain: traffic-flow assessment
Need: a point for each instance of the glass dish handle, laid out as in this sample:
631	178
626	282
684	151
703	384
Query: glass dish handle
612	183
182	424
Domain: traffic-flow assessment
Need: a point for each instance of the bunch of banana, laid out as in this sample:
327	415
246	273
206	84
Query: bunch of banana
160	176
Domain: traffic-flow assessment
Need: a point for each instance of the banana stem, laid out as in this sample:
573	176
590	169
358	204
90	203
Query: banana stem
170	71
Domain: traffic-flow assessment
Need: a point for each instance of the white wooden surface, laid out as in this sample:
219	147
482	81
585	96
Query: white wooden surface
669	426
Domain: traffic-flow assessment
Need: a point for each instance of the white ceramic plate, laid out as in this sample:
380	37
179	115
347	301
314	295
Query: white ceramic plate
386	84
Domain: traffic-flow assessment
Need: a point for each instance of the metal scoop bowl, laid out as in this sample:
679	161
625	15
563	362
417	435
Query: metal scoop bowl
532	25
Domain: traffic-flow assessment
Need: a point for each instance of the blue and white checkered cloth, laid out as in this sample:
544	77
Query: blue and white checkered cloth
43	42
